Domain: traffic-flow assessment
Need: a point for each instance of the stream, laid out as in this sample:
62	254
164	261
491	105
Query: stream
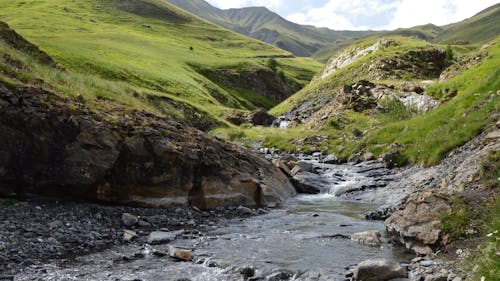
300	241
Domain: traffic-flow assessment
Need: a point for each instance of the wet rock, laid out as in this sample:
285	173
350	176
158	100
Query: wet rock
305	183
160	237
247	271
379	270
370	238
129	219
180	254
244	211
418	221
305	166
331	159
129	235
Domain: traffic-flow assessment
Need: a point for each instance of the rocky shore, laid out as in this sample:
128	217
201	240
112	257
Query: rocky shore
37	232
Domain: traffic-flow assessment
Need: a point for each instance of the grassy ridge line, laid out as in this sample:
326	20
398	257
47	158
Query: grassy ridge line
149	49
425	139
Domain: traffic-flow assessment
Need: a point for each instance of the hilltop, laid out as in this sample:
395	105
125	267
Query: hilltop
151	55
267	26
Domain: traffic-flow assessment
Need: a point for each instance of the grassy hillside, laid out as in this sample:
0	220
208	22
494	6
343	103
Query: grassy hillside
146	54
481	28
262	24
420	138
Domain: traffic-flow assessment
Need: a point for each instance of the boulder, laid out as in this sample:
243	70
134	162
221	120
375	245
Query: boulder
390	159
160	237
180	254
129	219
131	157
408	86
418	222
369	238
260	117
305	166
129	235
379	270
331	159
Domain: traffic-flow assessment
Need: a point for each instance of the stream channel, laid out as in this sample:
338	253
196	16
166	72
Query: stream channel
302	240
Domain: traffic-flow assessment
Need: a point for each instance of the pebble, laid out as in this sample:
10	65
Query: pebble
181	254
129	219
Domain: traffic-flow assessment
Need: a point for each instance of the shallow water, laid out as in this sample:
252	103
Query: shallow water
300	237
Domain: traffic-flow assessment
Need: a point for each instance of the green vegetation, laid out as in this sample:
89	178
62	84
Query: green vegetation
420	138
142	54
489	170
483	261
262	24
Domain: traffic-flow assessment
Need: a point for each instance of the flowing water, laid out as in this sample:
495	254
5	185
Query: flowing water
306	235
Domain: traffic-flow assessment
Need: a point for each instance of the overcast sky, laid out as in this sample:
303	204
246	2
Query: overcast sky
366	14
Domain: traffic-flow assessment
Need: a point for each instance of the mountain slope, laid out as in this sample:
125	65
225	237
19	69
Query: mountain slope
262	24
148	54
481	28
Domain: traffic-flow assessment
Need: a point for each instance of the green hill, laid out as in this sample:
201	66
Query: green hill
150	54
481	28
262	24
355	104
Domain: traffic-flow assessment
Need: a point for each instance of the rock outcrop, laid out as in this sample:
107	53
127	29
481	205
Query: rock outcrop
417	223
57	147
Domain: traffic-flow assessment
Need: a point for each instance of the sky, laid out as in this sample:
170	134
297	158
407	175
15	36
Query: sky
366	14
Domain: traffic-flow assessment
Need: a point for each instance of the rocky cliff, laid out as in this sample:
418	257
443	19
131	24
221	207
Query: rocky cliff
57	147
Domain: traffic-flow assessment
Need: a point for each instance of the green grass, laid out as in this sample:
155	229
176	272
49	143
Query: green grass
421	138
147	47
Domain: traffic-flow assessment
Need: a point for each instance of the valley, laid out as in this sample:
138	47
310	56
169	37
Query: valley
173	140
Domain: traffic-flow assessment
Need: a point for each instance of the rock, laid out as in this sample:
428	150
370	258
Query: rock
303	187
295	170
129	235
281	164
181	254
390	159
159	237
55	224
368	156
244	211
260	117
370	238
247	272
355	158
437	277
331	159
133	157
305	166
498	124
418	221
379	270
411	87
129	219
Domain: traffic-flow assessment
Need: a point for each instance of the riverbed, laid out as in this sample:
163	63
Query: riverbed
305	239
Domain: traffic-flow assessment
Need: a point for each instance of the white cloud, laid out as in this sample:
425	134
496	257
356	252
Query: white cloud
440	12
340	14
226	4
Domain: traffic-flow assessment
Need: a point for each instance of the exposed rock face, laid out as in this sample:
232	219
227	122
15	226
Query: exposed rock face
418	221
258	117
349	56
16	41
379	270
264	82
56	147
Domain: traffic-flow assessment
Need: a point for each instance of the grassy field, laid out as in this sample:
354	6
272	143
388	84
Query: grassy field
128	51
422	138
